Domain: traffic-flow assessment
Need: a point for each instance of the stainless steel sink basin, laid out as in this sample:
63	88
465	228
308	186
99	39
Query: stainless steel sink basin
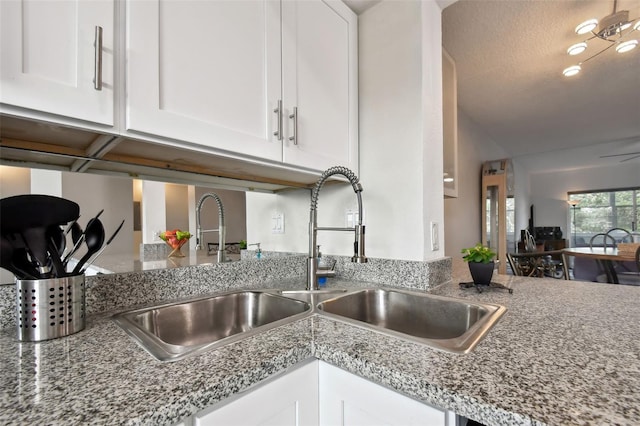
452	325
173	331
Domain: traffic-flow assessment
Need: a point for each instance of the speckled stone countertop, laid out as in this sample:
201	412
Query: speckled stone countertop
131	262
566	352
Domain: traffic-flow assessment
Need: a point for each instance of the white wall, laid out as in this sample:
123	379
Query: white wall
92	193
522	198
549	190
391	129
46	182
333	202
400	101
113	194
234	205
13	181
177	206
154	215
463	215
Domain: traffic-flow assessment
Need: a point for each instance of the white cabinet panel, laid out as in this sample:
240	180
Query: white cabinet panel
289	400
320	394
48	59
206	72
450	125
348	400
320	78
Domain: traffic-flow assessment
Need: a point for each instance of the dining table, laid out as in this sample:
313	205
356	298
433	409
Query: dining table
604	256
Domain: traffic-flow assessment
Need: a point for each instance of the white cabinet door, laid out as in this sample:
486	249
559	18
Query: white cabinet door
206	72
348	400
49	57
319	45
290	400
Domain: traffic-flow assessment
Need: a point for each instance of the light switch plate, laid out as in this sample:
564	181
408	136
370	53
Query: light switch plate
435	241
277	223
352	217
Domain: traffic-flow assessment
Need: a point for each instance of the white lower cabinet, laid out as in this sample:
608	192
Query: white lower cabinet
317	393
288	400
349	400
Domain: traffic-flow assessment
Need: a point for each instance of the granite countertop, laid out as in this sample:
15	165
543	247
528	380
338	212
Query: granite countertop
566	352
131	262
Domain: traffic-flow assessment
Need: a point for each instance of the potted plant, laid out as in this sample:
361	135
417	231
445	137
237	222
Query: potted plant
481	263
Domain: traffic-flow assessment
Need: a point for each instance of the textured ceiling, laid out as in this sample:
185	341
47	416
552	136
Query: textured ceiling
510	55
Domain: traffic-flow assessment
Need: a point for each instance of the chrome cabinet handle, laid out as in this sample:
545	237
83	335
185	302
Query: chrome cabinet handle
97	70
294	117
278	111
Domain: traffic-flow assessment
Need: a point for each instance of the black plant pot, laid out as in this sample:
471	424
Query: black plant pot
481	272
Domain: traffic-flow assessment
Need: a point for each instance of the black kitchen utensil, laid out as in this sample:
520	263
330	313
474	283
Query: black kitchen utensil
103	247
76	232
58	268
77	236
56	234
31	211
94	238
21	259
70	225
22	262
6	260
36	241
30	216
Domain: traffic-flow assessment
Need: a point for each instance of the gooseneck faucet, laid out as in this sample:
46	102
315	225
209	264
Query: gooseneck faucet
222	254
358	244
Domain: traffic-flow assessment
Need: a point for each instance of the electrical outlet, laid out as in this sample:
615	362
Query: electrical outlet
277	223
435	243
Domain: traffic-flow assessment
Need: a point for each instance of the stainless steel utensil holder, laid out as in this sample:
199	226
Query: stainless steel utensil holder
50	308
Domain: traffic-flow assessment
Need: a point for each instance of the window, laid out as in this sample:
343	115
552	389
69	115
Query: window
600	211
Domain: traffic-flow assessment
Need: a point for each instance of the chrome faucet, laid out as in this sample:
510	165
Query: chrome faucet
222	254
358	244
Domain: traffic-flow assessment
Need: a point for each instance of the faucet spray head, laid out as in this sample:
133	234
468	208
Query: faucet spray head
358	246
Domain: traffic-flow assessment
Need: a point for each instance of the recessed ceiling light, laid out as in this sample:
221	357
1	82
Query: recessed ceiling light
637	26
572	70
587	26
577	49
626	46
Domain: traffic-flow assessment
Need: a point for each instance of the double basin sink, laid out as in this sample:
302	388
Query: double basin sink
175	330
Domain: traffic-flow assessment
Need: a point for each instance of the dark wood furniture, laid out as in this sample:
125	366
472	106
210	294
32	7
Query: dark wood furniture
539	264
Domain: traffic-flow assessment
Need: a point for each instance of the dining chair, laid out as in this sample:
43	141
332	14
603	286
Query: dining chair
607	240
620	235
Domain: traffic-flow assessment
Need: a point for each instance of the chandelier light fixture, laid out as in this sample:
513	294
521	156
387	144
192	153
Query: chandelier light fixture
615	29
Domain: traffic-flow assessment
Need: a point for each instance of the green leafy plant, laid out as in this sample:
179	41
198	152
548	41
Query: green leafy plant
243	244
478	253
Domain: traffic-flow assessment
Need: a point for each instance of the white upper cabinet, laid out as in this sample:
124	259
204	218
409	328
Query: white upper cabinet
206	72
319	48
58	57
263	81
227	75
